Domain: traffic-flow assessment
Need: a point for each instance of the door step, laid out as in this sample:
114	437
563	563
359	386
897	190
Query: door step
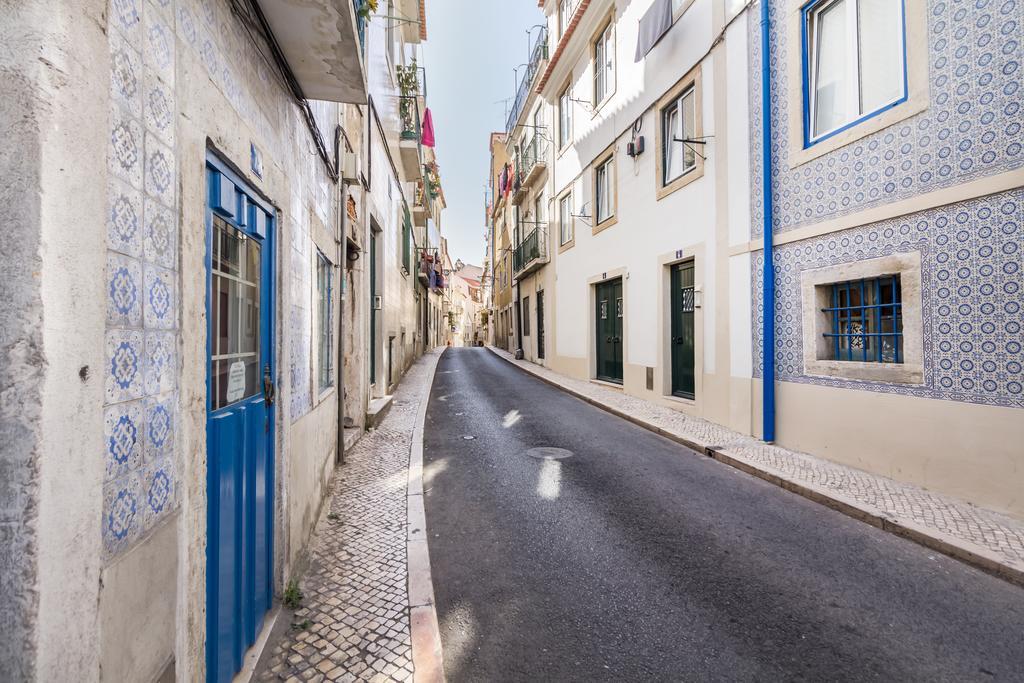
377	409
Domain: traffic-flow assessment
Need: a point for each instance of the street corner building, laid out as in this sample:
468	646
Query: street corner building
222	253
656	152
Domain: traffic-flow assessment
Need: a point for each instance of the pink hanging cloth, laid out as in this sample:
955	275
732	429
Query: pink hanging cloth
428	129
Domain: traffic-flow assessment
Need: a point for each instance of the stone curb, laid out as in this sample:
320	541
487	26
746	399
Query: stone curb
977	556
427	661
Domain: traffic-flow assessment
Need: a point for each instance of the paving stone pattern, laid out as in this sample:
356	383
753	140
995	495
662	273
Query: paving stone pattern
955	519
356	597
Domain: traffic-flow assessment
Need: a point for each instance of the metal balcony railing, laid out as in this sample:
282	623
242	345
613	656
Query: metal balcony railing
533	247
530	154
538	54
409	115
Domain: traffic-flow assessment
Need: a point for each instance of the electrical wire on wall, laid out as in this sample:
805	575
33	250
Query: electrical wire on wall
638	126
248	11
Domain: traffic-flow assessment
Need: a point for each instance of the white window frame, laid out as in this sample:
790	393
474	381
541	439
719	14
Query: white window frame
325	321
604	169
564	118
810	16
668	138
604	64
566	234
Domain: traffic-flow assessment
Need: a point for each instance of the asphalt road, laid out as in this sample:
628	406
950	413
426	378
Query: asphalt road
637	559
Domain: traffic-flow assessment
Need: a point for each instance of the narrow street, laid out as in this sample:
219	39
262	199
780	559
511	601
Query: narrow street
633	558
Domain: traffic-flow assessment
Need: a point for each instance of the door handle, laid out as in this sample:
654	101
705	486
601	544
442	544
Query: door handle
617	340
608	340
269	392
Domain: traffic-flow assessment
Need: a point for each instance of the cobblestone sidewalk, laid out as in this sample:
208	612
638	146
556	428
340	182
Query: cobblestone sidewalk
354	623
981	537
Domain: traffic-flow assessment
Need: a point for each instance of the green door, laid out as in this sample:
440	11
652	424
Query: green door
609	313
682	330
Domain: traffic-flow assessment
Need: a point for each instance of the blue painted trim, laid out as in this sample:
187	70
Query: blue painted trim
768	289
264	231
806	75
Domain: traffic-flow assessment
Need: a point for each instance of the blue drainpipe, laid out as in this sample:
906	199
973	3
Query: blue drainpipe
768	288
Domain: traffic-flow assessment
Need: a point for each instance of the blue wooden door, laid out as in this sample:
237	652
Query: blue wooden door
240	418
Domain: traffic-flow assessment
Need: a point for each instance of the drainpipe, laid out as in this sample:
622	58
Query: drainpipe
768	288
340	368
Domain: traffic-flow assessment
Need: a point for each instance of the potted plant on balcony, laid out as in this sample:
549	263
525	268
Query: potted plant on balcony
433	175
408	87
366	9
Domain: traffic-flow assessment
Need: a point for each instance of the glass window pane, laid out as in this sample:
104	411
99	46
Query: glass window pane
831	67
880	38
689	129
235	315
671	154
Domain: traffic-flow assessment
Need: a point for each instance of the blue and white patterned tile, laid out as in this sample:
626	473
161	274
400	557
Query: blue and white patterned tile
158	45
159	491
124	218
124	371
164	7
967	131
124	291
124	430
160	170
125	75
160	234
186	28
122	513
160	364
972	284
158	438
160	307
124	154
125	16
158	109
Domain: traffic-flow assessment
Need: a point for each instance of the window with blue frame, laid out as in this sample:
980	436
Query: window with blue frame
325	367
854	63
866	320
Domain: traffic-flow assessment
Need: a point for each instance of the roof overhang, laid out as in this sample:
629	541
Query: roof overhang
320	41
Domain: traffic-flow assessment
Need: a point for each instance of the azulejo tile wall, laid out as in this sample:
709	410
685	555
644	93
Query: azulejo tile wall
970	252
971	127
140	415
971	284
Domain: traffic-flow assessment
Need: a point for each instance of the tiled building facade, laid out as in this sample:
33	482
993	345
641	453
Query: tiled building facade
938	177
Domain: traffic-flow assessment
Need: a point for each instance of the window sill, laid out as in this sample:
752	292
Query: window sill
682	181
600	105
889	373
605	383
604	225
567	246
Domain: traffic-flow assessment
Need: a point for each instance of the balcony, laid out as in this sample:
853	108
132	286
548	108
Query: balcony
419	207
321	41
538	55
409	145
532	252
531	164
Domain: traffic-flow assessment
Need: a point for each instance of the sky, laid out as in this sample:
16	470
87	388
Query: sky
471	49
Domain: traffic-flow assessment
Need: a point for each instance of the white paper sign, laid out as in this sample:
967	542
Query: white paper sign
236	381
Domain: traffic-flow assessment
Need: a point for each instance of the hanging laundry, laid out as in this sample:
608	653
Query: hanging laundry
427	137
655	22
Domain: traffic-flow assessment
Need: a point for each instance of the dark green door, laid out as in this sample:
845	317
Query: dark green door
682	330
609	314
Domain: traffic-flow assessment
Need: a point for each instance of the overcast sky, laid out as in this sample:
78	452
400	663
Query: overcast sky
472	47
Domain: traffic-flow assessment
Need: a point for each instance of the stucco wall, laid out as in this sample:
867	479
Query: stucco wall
50	370
655	227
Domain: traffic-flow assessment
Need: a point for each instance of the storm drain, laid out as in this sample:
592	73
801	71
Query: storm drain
549	453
